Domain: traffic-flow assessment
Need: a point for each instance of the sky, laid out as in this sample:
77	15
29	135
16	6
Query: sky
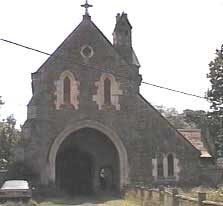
174	40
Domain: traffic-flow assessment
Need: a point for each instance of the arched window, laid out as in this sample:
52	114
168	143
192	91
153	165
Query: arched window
160	169
107	91
170	163
66	90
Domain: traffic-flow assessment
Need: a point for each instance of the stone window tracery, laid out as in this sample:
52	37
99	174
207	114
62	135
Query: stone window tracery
165	166
87	51
67	91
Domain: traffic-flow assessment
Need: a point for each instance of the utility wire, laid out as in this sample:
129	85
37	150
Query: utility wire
26	47
174	90
146	83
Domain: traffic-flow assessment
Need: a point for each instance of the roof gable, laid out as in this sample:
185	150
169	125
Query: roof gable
85	34
179	133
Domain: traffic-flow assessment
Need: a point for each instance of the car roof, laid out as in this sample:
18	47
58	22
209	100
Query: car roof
15	184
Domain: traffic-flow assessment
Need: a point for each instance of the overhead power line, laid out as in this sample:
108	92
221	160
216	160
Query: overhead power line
174	90
26	47
146	83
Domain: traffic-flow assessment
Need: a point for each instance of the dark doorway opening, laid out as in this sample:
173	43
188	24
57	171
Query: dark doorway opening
82	158
74	171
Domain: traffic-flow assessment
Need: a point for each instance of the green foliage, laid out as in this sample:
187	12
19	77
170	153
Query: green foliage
122	203
10	137
20	170
189	119
193	119
198	118
216	196
215	95
174	117
213	194
201	120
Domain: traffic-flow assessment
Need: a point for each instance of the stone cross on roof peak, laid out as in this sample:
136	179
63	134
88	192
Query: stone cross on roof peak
86	6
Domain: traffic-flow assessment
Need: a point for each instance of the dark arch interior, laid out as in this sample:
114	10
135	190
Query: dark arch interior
74	171
87	162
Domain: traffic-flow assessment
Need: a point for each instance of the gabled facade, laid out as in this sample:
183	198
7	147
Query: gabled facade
89	127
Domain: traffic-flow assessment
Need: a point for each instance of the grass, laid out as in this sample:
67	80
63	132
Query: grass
215	195
107	203
121	203
101	201
130	198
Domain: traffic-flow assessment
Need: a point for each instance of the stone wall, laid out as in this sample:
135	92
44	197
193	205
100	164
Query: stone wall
211	175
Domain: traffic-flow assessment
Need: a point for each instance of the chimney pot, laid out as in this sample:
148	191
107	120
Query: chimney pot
118	17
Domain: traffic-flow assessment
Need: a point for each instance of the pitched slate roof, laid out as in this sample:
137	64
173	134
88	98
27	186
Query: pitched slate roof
86	32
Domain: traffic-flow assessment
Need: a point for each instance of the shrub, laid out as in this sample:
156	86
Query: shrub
19	170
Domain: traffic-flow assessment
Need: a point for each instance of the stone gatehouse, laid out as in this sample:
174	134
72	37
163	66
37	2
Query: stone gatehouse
88	128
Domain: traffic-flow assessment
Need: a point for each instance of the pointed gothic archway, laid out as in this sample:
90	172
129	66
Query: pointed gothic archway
109	134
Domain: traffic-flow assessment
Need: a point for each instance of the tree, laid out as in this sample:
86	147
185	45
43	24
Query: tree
215	95
193	119
9	138
1	102
175	118
196	117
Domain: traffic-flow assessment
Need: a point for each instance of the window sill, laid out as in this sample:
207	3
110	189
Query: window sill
67	106
165	180
108	107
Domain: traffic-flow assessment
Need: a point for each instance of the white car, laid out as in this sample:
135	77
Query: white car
15	190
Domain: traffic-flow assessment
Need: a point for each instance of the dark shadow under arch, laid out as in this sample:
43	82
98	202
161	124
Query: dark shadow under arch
80	159
110	134
74	171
